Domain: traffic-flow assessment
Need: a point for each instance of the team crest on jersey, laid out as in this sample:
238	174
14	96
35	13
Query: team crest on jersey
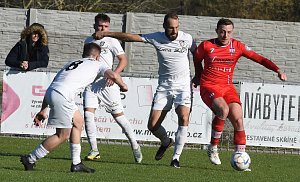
182	43
232	50
101	43
184	47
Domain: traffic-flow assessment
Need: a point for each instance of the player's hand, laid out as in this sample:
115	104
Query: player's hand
39	118
282	76
196	81
109	82
124	88
98	35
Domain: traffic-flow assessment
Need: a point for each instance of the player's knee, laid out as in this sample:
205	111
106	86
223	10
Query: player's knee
63	135
223	111
153	126
150	127
183	120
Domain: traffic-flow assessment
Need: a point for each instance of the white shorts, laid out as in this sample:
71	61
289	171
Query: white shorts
61	110
98	94
166	96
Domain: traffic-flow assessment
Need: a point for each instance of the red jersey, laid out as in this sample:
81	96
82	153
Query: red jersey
220	61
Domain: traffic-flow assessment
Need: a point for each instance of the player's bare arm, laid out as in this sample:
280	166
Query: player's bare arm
198	68
117	79
127	37
42	115
120	67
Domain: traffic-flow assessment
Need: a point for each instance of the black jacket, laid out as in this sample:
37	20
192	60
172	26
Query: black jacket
37	56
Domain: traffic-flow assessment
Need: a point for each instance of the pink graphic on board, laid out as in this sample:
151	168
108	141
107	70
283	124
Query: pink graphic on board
145	95
10	101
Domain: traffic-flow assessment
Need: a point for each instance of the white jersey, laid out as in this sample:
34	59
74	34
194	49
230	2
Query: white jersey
172	55
76	75
110	48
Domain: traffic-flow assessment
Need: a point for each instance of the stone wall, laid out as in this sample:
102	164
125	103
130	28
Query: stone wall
279	41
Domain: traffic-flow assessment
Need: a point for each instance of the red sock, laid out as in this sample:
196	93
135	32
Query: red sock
240	140
217	128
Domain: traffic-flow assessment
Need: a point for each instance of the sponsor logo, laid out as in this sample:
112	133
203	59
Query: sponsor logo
232	51
38	90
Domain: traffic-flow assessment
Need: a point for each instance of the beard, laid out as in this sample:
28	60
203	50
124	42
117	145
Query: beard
171	37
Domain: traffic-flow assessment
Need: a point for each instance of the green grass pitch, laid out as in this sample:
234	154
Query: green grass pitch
117	164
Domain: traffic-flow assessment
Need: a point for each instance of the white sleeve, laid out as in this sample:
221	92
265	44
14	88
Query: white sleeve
116	48
151	37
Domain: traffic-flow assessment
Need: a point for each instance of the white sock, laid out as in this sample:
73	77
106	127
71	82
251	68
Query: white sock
162	135
127	129
39	152
91	129
75	153
180	140
240	148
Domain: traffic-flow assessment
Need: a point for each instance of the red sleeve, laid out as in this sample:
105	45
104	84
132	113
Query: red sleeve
197	59
250	54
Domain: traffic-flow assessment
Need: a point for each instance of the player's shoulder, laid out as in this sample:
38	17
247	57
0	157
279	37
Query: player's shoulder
238	43
112	40
208	42
184	34
89	39
153	34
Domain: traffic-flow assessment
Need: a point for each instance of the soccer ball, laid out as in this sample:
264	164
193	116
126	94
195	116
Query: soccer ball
240	161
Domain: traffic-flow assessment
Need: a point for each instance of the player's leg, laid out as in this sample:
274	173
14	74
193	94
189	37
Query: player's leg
90	102
183	104
183	113
77	165
221	110
60	117
236	118
212	96
91	132
154	125
162	103
128	131
110	97
48	145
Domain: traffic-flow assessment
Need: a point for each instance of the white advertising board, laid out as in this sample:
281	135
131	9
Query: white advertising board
271	114
23	94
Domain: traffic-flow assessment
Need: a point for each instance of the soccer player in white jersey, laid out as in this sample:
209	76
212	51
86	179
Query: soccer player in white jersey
173	84
64	114
103	90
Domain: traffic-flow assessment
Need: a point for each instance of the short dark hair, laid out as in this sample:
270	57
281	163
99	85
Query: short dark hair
172	15
91	49
102	17
224	21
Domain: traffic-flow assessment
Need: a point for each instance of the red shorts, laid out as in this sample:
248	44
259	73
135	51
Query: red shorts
210	92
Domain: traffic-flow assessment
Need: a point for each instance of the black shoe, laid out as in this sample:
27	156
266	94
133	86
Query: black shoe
27	165
81	168
175	163
162	149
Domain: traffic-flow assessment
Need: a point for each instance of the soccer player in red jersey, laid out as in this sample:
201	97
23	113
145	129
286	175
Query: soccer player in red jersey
217	91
